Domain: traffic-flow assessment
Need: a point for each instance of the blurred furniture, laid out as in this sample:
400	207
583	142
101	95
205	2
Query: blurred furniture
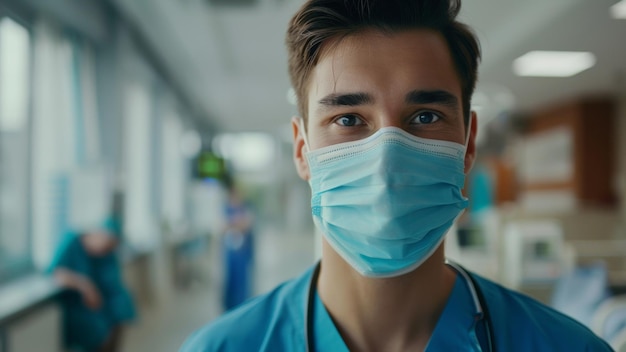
30	319
533	252
619	344
581	291
609	319
590	234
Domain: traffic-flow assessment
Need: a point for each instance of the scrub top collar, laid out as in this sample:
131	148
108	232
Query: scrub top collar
455	329
325	334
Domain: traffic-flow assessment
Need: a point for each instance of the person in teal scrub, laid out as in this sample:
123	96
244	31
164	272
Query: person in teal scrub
385	138
96	302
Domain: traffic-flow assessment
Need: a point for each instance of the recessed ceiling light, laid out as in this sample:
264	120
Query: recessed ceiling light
618	10
553	63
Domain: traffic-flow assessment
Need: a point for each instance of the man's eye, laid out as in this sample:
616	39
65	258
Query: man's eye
426	117
349	120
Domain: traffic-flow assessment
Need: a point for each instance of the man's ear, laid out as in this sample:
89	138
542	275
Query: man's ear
302	166
470	154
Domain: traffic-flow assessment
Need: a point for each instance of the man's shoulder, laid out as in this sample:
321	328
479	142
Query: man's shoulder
271	321
520	319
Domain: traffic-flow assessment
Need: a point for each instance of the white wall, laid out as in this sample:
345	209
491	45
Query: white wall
621	158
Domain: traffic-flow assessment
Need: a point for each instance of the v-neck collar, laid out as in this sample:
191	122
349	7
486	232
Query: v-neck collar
455	329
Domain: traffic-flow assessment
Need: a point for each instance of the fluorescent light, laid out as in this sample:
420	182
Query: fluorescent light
618	10
553	63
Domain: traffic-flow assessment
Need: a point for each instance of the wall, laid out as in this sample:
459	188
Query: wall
620	182
39	331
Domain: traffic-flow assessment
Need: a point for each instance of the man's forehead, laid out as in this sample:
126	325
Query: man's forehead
342	59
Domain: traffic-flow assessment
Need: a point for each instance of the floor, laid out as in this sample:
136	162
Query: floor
165	326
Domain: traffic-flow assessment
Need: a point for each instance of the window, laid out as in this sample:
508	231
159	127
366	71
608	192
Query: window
66	150
139	216
15	68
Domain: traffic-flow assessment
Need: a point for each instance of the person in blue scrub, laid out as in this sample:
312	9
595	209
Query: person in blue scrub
385	138
96	302
238	245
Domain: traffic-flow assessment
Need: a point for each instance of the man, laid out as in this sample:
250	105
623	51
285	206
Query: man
385	139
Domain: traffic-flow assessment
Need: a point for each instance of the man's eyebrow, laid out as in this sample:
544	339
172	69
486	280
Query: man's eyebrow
347	99
441	97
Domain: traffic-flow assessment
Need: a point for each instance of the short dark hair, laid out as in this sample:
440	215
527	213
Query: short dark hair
320	21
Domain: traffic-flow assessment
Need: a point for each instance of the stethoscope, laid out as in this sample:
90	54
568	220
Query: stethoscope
479	302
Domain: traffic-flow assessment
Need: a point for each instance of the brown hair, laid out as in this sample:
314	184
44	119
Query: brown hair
319	21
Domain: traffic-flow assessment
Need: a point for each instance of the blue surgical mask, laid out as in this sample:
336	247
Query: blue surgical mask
385	203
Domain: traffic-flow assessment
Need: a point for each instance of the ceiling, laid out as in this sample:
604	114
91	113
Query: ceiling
231	60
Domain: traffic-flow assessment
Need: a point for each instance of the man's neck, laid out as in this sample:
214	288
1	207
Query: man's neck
390	314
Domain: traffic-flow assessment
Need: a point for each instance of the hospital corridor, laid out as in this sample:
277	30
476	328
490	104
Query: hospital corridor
166	326
279	175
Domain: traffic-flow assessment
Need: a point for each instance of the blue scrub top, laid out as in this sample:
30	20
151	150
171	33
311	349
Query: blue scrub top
276	322
325	333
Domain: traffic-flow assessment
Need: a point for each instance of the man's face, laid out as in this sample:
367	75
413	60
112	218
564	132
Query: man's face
372	80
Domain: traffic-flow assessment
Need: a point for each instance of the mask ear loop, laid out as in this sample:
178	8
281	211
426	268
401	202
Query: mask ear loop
469	131
467	138
303	134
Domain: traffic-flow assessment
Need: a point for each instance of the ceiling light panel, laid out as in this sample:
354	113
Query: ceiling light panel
553	63
618	11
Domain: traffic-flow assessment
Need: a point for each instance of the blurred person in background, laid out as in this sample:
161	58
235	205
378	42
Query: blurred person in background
385	139
96	302
238	245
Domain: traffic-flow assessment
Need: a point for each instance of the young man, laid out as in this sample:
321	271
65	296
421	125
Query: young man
385	139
